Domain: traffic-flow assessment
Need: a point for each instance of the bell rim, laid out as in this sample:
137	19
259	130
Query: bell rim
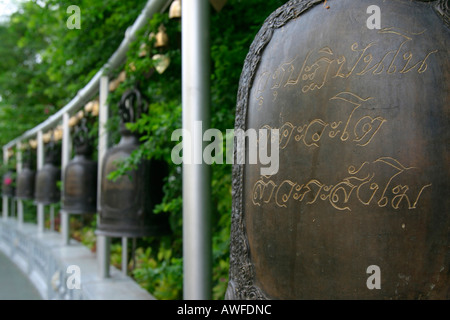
78	211
19	197
138	234
45	203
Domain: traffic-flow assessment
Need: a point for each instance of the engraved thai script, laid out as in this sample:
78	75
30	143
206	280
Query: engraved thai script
381	183
312	71
355	125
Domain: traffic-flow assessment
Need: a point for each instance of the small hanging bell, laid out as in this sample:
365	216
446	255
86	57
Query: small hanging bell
88	106
161	38
132	67
58	133
161	62
218	4
46	137
33	143
73	121
95	108
175	9
143	50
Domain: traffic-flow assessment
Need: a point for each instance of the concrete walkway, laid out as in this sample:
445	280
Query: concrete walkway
14	285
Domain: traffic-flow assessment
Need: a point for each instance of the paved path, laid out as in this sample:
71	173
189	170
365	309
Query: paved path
14	285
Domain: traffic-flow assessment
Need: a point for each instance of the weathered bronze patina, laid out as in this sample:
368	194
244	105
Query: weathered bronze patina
80	179
127	203
46	189
363	180
26	180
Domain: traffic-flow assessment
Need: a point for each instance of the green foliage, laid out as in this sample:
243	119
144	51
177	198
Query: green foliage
116	255
29	211
160	274
87	236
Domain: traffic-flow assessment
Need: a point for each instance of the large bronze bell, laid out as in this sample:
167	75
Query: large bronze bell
46	189
359	207
26	182
127	203
80	179
8	188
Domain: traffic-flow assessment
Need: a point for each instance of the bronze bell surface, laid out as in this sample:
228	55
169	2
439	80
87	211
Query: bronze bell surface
46	189
8	188
80	177
359	205
126	205
25	183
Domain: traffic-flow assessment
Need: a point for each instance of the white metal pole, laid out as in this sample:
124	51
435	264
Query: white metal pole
103	256
5	198
40	164
52	217
13	207
197	254
5	208
66	150
19	170
20	211
103	242
124	255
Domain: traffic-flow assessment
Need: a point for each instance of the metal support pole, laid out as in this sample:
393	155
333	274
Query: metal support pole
40	218
40	164
13	208
5	198
52	217
197	254
102	132
66	149
103	242
65	227
103	256
19	170
5	208
124	255
20	211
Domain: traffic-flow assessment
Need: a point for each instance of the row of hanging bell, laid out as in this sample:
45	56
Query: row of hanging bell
126	207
